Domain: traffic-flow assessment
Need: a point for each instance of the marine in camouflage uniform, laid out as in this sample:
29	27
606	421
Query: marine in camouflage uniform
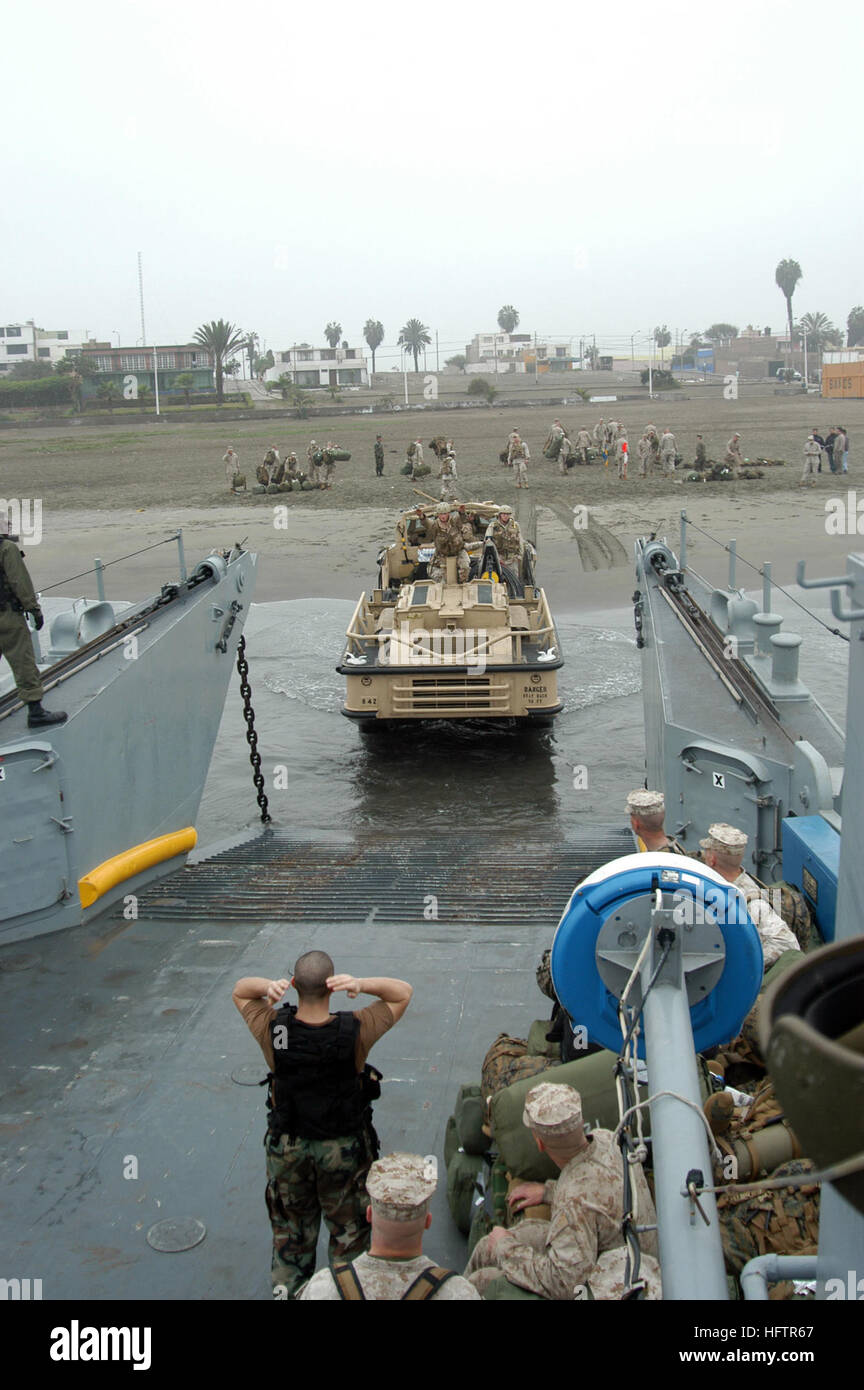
723	850
447	537
379	456
505	535
701	459
647	812
583	444
17	597
668	451
587	1205
313	453
732	457
312	1173
400	1188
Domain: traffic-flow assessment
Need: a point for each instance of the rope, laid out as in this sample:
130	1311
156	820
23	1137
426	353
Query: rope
674	1095
835	631
119	560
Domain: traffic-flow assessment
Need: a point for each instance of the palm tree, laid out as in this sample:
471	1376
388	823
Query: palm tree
786	276
508	318
855	326
223	340
414	336
373	332
250	347
820	331
333	333
662	338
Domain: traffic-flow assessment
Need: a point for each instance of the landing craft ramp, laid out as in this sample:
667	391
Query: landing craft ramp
130	1082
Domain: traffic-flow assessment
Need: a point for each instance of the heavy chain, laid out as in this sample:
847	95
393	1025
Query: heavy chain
251	735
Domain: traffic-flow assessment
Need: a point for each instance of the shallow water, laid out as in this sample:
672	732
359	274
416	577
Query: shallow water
324	778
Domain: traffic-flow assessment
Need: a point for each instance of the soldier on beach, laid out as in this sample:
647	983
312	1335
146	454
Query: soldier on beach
379	456
733	457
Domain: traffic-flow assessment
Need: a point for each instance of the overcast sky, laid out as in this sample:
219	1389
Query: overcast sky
604	172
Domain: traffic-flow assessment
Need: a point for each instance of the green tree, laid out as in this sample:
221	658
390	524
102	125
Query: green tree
662	338
250	347
414	336
223	340
855	326
184	382
107	391
721	332
786	277
301	401
30	371
144	394
333	333
284	384
479	386
373	332
460	361
508	318
263	363
820	331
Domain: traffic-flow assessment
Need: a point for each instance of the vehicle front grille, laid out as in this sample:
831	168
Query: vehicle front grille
443	695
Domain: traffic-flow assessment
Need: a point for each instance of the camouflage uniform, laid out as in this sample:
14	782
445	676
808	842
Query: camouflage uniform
668	450
379	457
811	460
448	541
386	1279
600	436
643	448
774	934
400	1187
583	444
232	463
701	459
507	541
565	455
304	1178
18	597
312	473
733	456
552	1259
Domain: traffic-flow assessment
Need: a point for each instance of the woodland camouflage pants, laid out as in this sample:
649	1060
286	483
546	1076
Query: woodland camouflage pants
308	1177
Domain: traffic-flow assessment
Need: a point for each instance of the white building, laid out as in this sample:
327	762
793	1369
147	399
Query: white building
310	366
24	342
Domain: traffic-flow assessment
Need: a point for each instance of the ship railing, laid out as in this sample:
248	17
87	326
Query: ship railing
357	636
763	570
99	566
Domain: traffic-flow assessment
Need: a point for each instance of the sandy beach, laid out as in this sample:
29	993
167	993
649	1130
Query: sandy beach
113	489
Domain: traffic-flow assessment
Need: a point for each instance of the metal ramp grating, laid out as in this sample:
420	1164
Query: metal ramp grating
475	879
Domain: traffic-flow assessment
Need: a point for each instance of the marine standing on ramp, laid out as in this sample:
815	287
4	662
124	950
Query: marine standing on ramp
17	597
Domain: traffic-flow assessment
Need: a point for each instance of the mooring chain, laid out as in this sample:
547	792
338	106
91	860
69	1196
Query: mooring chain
251	735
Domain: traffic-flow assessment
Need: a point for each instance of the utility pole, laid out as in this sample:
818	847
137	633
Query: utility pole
141	301
436	350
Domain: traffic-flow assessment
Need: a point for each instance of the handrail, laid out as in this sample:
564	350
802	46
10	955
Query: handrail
101	565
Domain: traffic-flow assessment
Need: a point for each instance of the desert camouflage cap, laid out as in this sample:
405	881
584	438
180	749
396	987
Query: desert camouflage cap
552	1110
401	1185
724	839
642	802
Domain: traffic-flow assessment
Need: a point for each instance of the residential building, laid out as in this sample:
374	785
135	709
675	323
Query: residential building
24	342
310	366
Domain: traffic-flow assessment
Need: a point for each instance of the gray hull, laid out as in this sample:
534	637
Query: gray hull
144	699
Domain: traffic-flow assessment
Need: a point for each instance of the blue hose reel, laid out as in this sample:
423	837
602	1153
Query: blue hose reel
605	924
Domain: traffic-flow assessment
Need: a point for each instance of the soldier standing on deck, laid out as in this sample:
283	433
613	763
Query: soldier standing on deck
320	1142
17	597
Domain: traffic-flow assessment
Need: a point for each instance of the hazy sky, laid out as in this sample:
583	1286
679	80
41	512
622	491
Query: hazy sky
281	166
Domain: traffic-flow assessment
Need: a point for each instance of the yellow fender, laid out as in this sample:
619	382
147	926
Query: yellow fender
134	861
490	574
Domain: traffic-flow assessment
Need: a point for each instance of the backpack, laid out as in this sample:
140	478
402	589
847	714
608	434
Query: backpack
424	1286
784	1221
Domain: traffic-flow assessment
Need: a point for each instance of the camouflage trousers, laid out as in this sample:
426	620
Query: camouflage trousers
305	1179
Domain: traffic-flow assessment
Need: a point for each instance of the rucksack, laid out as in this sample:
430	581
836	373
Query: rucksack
424	1286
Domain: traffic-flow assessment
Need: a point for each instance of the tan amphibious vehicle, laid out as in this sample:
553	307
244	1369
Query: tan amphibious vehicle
454	636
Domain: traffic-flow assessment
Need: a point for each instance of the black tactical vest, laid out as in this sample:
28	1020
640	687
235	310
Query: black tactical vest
315	1089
